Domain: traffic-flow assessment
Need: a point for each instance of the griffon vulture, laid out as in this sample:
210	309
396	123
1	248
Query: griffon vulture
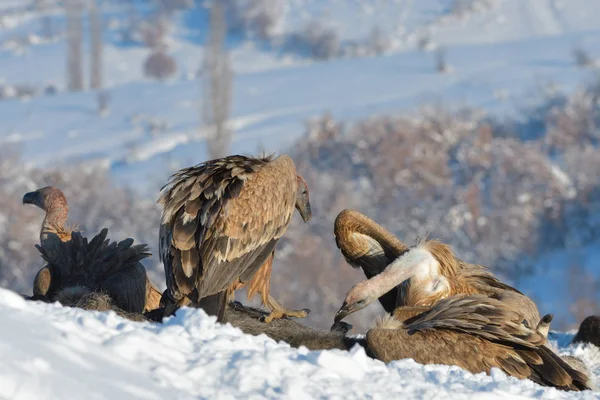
418	276
76	268
477	333
54	203
589	331
221	220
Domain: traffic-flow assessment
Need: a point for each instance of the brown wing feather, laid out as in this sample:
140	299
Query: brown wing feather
477	333
229	211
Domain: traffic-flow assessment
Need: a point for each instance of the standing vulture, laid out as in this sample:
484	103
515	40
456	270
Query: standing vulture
220	223
419	276
65	251
477	333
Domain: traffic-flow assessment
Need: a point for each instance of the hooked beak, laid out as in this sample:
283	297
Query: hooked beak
30	198
305	212
344	311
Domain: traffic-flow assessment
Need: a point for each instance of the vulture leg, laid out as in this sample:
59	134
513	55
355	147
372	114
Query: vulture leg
214	305
261	283
41	282
153	296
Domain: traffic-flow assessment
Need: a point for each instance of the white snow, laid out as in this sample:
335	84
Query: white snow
53	352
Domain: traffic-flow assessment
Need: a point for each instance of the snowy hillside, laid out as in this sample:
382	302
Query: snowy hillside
498	52
51	352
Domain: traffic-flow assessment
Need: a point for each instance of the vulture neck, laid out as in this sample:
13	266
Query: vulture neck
360	223
55	220
417	264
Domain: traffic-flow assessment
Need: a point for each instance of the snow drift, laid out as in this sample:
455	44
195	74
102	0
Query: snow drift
56	352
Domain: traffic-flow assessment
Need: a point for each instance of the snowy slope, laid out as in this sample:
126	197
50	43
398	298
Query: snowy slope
498	54
270	107
51	352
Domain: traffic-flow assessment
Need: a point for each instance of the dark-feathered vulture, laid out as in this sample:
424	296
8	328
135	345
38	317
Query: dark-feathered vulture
75	263
77	267
221	221
477	333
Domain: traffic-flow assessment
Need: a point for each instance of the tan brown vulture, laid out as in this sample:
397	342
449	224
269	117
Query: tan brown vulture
54	203
399	275
221	221
476	333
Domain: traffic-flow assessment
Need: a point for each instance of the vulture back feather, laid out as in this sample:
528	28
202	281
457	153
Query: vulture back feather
221	220
477	333
98	265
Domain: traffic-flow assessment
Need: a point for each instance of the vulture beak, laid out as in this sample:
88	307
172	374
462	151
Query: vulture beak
30	198
305	211
343	312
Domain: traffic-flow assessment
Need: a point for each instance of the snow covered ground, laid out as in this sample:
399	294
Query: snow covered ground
53	352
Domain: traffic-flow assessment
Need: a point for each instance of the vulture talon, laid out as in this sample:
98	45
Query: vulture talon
236	305
284	313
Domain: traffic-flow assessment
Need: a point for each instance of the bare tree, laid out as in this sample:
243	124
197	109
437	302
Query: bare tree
160	65
441	64
102	103
74	10
42	7
216	86
97	46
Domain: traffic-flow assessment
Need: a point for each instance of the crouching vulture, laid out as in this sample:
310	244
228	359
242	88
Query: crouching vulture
477	333
76	268
419	276
221	220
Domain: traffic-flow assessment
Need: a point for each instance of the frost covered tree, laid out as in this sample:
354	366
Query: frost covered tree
216	85
74	10
260	18
97	46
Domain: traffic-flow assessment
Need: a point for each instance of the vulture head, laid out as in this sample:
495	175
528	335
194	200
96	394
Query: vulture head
302	200
47	198
357	298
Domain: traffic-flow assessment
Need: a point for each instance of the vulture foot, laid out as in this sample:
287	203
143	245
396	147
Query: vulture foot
278	311
158	314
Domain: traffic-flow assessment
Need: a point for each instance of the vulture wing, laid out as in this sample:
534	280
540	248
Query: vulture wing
513	347
113	268
221	220
476	314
